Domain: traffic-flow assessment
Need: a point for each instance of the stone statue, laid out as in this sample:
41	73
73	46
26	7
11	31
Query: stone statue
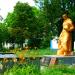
65	38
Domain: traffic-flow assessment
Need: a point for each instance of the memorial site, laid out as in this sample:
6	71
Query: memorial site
37	37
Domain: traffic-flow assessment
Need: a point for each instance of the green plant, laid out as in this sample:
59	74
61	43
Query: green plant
22	70
58	70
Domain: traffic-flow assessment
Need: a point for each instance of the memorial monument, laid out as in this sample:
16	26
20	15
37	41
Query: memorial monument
64	52
65	38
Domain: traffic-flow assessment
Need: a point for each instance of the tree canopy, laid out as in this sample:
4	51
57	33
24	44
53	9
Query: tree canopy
38	24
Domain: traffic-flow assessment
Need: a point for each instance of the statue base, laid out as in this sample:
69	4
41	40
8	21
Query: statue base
55	59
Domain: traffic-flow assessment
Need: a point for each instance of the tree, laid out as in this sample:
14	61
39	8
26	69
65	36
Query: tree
22	23
53	10
3	34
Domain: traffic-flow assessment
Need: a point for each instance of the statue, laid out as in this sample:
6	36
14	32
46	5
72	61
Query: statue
65	38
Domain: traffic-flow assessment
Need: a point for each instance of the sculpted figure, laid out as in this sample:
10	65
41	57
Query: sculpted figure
65	38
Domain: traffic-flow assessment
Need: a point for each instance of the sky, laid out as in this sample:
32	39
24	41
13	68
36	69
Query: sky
7	6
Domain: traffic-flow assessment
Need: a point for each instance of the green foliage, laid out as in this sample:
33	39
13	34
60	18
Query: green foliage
59	70
3	34
25	70
37	53
53	10
32	70
23	23
27	22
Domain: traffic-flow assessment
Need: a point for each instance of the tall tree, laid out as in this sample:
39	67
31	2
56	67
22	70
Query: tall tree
53	10
22	23
3	34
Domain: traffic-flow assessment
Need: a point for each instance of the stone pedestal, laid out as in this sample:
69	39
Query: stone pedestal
54	59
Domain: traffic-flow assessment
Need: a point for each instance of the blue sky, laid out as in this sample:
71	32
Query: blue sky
7	6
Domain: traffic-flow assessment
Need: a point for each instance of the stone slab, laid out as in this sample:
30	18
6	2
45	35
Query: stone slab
8	56
56	56
60	59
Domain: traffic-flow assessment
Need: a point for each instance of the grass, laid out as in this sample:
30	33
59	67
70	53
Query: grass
36	53
59	70
32	70
22	70
32	52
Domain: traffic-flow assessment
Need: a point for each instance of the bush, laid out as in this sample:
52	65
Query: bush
22	70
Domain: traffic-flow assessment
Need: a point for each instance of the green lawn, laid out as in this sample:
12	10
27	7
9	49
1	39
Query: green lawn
59	70
36	53
32	70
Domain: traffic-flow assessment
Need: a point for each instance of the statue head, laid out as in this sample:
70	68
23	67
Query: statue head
64	16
